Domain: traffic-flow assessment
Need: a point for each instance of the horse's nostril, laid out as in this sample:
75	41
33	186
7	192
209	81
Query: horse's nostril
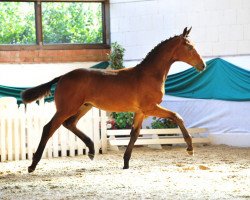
203	65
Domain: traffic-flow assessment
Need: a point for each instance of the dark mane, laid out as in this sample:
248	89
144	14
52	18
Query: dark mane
155	49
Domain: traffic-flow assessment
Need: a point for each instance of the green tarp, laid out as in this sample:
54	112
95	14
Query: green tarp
221	80
6	91
15	91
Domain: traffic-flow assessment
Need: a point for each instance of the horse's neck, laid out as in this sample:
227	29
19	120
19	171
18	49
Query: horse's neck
159	63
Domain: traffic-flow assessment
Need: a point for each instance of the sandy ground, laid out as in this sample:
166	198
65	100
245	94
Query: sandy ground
215	172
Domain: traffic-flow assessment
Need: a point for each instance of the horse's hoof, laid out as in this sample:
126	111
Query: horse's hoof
126	167
91	156
190	152
31	169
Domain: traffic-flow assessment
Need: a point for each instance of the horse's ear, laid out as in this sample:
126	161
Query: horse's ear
189	30
186	32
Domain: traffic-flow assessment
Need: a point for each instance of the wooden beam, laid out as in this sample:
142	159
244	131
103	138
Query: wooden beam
140	141
156	131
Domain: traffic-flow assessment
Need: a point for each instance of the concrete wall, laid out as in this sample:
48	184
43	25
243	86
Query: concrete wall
220	27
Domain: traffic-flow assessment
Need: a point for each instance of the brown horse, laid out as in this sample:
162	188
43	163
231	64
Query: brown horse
139	89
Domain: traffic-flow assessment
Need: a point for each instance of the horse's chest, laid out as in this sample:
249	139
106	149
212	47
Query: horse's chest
154	94
158	95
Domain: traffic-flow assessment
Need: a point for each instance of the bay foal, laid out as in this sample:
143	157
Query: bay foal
139	89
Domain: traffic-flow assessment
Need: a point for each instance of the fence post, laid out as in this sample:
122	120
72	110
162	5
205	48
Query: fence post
104	131
16	140
55	144
29	131
71	143
9	138
22	126
96	133
62	140
81	125
3	138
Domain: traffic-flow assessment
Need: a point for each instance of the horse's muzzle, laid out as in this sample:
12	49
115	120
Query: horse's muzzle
201	66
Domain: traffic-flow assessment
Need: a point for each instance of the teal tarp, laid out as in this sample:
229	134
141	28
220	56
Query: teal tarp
221	80
15	91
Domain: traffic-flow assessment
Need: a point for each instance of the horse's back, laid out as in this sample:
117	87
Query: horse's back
113	90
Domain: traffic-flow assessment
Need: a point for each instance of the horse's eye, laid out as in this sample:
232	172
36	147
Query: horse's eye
190	47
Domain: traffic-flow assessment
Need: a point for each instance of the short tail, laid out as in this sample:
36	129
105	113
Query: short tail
38	92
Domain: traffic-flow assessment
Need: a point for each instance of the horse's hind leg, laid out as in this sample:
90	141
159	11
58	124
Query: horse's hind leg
48	131
71	123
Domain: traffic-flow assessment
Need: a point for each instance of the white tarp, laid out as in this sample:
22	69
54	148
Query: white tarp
228	122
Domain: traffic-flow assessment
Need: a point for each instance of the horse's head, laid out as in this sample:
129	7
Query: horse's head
187	53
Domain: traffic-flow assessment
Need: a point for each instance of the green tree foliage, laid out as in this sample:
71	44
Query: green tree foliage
17	23
62	23
72	22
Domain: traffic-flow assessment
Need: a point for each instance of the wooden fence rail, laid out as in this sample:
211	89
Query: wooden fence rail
156	136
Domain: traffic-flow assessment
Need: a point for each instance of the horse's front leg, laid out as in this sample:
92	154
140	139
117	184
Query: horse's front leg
135	131
161	112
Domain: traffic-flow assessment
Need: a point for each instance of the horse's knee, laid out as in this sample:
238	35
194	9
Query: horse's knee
68	124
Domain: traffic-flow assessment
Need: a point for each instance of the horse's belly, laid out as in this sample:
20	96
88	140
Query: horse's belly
112	96
114	104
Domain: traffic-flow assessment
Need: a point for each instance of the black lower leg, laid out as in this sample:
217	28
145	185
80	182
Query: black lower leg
126	158
70	124
135	131
36	158
128	152
188	139
88	142
39	152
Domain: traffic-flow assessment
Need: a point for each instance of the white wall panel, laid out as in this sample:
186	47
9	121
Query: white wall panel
220	27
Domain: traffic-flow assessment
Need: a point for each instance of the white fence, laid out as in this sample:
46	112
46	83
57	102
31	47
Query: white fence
21	129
